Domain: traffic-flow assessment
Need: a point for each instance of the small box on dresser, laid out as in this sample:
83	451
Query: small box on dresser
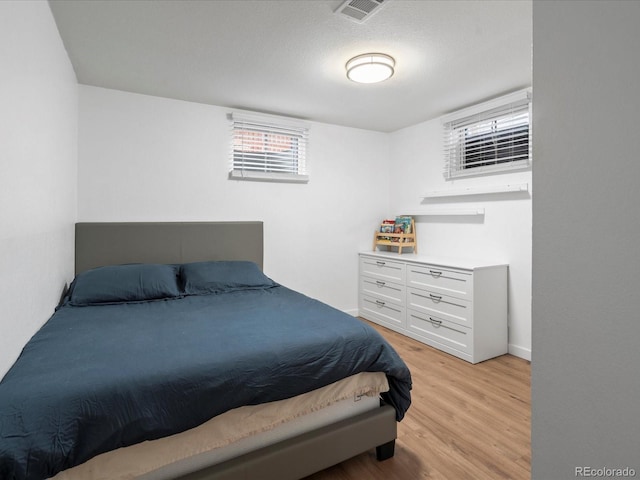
458	306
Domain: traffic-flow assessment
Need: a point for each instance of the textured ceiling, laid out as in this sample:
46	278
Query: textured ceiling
287	57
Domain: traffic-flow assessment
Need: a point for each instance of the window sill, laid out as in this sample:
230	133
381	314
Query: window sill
479	190
267	177
488	170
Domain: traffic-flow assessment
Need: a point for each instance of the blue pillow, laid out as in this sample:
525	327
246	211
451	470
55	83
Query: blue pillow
125	283
222	276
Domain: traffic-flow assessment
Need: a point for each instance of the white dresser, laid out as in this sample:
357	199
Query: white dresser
458	306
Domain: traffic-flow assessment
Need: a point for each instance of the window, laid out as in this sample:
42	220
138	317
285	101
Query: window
265	147
491	137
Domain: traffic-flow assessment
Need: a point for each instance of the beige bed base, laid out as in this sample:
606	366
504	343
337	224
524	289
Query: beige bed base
100	244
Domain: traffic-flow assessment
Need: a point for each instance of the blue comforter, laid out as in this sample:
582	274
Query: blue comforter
96	378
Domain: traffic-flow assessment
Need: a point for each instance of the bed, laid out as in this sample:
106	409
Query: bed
171	329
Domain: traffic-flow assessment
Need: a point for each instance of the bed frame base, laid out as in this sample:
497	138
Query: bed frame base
311	452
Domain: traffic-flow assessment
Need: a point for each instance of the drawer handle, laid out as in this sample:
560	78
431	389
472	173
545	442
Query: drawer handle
435	323
380	284
381	264
380	303
435	273
435	298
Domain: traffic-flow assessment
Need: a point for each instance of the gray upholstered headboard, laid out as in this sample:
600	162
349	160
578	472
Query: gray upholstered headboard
99	244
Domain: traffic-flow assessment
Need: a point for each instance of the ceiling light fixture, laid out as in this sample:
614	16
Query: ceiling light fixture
370	68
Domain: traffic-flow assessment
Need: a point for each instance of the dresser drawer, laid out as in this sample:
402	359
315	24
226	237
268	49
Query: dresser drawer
383	290
375	309
443	280
441	331
383	269
450	308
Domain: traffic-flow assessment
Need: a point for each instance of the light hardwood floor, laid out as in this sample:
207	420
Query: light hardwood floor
465	422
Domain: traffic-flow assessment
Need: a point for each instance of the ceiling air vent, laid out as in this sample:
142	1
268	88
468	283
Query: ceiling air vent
360	10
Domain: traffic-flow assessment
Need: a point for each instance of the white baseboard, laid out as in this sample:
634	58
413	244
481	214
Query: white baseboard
353	312
520	351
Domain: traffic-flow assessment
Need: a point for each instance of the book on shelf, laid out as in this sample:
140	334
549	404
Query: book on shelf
402	224
386	227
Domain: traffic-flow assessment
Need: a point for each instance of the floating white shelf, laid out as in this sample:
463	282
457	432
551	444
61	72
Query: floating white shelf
512	187
447	211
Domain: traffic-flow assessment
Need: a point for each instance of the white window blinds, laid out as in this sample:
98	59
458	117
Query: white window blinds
490	137
265	147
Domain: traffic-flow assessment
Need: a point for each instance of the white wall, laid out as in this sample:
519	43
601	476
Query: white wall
502	234
586	238
144	158
38	158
